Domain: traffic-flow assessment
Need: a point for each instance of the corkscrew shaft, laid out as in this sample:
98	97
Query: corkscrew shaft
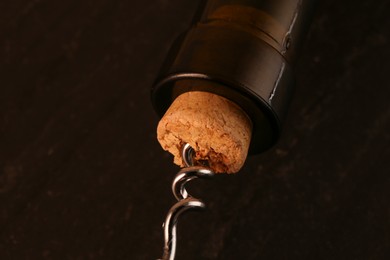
185	201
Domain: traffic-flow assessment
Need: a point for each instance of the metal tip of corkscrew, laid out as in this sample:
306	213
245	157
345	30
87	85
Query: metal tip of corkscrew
187	153
185	201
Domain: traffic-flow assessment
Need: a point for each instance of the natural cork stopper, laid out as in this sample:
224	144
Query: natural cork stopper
217	129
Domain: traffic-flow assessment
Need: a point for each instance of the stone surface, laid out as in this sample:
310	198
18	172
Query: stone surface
82	175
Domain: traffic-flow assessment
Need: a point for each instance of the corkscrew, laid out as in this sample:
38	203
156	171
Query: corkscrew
185	202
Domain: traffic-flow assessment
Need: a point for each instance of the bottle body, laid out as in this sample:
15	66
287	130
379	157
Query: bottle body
243	50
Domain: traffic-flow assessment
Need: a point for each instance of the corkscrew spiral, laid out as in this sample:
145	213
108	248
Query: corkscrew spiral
185	202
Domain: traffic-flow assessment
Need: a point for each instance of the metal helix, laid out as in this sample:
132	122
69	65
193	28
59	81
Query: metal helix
185	201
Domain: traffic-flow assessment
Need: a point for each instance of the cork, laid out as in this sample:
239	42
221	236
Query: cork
217	129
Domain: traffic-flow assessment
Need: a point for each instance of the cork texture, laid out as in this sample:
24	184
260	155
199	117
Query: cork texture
217	129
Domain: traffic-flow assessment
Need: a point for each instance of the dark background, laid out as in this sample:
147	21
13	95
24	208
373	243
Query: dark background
83	177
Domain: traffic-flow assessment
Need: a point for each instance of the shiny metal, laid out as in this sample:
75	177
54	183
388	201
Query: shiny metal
185	200
187	153
171	223
186	175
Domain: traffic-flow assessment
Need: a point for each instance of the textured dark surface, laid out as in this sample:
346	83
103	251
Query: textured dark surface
83	177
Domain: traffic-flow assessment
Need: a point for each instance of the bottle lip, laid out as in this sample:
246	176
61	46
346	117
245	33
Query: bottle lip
266	126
